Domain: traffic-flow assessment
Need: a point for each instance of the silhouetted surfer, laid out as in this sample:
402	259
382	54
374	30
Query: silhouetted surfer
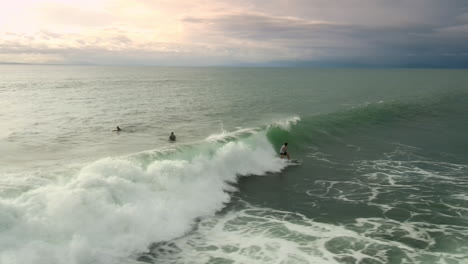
284	151
117	129
172	137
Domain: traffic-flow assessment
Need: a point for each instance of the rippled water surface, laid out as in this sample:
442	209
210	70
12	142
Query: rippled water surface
380	171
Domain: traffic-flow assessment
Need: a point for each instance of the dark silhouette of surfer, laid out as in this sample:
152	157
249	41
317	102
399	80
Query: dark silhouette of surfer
117	129
172	137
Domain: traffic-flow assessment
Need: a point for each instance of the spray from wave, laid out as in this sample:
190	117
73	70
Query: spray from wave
116	207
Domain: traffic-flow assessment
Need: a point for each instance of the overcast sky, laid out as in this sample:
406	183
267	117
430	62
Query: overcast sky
337	33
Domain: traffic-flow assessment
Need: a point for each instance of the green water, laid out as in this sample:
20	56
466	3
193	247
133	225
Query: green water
381	173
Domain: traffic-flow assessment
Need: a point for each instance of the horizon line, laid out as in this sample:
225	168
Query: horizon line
348	66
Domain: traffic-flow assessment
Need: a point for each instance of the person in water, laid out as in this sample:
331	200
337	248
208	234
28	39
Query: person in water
172	137
117	129
284	151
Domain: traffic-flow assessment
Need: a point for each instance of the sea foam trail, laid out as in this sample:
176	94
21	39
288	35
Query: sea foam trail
114	208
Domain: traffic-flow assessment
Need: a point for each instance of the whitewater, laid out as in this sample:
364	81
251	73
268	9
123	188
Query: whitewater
116	207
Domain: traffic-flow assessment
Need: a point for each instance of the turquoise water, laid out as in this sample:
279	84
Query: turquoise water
381	173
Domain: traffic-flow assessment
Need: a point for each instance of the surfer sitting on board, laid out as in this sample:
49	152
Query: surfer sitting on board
172	137
284	151
118	129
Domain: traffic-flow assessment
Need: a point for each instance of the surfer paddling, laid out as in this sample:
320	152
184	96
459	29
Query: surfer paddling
284	151
172	137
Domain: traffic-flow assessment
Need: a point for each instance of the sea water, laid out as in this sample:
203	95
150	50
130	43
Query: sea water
381	173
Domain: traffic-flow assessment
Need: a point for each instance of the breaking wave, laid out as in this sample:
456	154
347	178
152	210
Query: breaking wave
116	207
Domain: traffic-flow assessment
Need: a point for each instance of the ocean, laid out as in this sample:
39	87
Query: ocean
380	171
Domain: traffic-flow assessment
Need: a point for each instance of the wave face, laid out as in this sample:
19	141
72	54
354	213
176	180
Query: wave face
322	128
116	207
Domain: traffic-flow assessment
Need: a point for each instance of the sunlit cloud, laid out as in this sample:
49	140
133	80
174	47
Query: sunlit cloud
209	32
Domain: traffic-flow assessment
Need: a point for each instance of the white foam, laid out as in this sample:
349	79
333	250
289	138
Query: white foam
263	235
286	123
224	135
463	197
256	236
114	208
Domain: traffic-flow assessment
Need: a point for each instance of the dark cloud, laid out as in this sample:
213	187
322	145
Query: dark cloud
369	44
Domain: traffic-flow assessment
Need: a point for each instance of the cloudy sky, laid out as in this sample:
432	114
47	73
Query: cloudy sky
338	33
